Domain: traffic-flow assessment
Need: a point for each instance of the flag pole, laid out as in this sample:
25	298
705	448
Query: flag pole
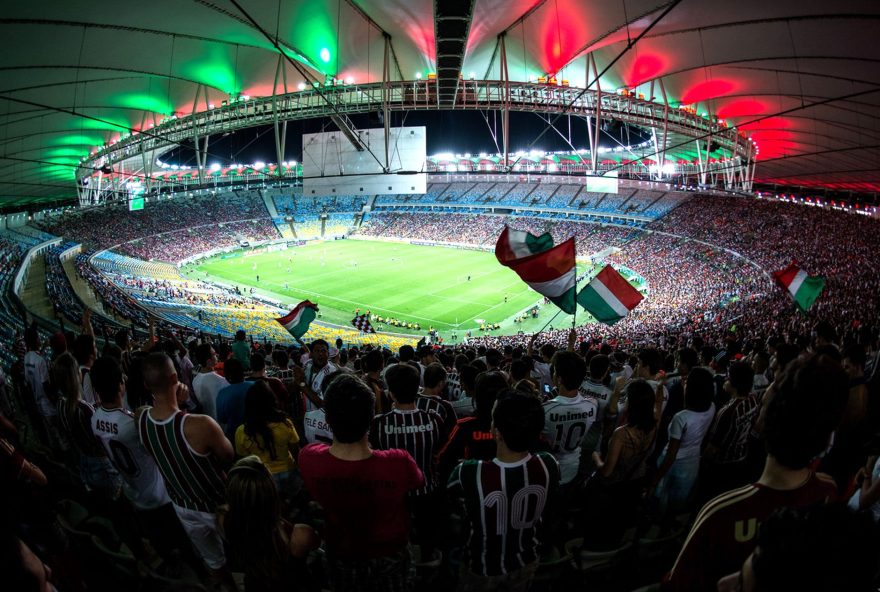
553	318
575	314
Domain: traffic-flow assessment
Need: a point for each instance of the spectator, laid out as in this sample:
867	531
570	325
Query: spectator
373	363
502	549
420	433
311	377
825	549
258	373
241	351
434	381
473	437
190	468
807	406
615	490
867	493
117	431
268	434
207	383
679	463
726	447
230	401
86	352
36	372
75	416
367	519
271	551
569	415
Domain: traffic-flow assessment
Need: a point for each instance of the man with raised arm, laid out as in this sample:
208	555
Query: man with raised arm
190	451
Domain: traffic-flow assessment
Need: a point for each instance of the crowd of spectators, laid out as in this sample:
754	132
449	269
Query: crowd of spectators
177	246
122	304
456	228
103	227
11	254
696	463
831	243
714	437
300	206
61	294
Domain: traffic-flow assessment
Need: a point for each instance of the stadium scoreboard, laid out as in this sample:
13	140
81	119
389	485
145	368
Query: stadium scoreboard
333	166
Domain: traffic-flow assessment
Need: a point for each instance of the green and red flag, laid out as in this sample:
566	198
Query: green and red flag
805	289
548	270
608	296
297	321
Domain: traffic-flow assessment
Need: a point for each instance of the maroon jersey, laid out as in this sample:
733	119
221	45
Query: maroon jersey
725	531
365	500
504	504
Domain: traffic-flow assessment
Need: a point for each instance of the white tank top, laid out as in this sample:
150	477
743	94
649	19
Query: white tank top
117	432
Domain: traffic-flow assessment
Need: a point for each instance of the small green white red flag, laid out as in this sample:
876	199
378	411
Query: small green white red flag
297	321
609	297
805	289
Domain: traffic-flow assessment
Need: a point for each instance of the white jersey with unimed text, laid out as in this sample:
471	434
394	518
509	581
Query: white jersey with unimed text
566	422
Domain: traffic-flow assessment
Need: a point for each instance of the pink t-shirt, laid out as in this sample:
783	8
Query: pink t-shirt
365	501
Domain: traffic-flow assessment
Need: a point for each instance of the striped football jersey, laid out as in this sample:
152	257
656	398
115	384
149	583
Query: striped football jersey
416	431
193	481
504	503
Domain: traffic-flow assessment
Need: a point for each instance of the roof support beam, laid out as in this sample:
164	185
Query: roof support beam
505	112
280	132
597	128
341	120
452	25
386	94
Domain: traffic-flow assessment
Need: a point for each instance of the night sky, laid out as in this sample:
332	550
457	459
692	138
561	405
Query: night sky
448	131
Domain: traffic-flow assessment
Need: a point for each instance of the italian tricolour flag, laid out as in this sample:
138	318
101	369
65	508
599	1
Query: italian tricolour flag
297	321
608	296
546	269
805	289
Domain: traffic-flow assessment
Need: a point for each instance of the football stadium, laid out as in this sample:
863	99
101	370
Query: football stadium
440	295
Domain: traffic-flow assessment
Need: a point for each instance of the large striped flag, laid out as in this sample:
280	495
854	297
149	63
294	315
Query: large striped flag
805	289
297	321
548	270
608	296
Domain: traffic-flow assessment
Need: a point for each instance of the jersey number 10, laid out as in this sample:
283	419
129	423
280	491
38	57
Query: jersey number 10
568	437
525	509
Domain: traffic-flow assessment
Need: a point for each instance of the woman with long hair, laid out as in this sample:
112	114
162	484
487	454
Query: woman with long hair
270	550
75	416
267	433
614	491
679	463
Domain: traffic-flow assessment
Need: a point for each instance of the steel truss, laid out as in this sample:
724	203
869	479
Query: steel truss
135	154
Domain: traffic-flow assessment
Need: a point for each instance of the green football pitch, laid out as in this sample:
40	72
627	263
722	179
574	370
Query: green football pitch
435	286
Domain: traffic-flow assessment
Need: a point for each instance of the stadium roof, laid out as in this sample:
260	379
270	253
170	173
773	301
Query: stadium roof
801	76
